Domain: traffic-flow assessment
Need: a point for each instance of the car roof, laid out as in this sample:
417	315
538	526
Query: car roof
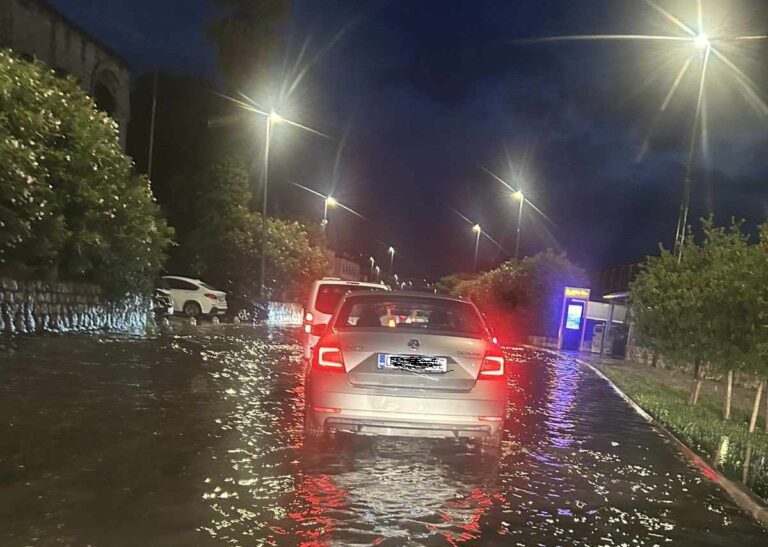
192	279
335	281
415	294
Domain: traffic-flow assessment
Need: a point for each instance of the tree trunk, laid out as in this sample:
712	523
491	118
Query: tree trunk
756	407
696	392
747	461
655	360
728	396
693	396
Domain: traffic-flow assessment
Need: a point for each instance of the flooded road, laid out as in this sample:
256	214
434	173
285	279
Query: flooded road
195	438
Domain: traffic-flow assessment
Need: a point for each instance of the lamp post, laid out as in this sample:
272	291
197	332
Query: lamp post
327	202
519	197
391	252
272	118
373	263
478	230
378	274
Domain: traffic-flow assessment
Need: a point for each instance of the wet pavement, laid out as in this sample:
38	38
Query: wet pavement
195	438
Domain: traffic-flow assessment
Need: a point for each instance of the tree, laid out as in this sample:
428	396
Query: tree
703	307
449	284
71	206
245	36
224	247
522	298
194	128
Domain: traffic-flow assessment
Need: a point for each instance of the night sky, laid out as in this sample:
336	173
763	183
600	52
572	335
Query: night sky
422	93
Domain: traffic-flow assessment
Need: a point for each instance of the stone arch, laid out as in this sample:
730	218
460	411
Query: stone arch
105	90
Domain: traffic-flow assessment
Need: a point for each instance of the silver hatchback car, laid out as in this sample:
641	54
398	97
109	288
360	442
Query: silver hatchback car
407	364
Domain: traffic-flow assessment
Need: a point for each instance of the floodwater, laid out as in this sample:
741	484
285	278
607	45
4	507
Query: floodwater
195	438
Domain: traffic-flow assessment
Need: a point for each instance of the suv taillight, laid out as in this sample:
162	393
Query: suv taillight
328	355
492	367
211	296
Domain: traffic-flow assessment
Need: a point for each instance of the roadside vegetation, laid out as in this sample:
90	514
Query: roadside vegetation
71	206
224	245
727	445
705	312
520	298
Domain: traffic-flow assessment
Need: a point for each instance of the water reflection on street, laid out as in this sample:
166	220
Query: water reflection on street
196	438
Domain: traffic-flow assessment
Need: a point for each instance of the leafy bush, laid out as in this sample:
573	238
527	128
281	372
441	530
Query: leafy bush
71	206
521	298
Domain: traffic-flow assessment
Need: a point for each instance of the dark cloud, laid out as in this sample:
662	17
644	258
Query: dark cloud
427	91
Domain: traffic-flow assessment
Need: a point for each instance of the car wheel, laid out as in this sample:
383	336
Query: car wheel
243	315
192	309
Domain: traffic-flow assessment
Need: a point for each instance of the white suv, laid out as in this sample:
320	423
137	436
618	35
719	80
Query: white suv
193	297
325	295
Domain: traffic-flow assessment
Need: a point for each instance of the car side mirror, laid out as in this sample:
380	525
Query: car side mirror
318	329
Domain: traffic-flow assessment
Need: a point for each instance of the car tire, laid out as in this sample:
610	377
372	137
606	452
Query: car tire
310	430
243	315
491	444
192	309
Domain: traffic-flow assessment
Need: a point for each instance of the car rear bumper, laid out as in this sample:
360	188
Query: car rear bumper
334	404
217	311
371	426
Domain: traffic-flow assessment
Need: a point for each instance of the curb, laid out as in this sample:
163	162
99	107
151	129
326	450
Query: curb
745	500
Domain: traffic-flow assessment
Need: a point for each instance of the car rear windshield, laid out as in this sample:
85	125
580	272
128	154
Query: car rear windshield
410	313
329	295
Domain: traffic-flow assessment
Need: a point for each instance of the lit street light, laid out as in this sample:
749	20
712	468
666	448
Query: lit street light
271	118
704	49
391	252
378	274
478	230
329	201
373	263
519	197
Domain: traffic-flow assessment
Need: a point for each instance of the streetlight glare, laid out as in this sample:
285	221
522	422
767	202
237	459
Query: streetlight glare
701	41
477	228
391	250
518	196
276	118
331	201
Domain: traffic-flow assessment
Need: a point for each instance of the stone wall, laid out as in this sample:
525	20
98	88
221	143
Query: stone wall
40	307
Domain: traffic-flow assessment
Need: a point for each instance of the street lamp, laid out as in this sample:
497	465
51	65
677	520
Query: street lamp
478	230
271	119
378	274
519	197
391	252
328	202
373	262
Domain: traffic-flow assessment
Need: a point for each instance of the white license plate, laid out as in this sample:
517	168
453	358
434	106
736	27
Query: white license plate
432	364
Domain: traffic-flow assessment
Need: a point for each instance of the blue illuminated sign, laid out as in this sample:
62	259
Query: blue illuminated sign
573	316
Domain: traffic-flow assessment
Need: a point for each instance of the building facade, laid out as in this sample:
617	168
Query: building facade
345	266
33	29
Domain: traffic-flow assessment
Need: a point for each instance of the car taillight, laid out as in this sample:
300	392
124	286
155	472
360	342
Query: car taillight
211	296
492	367
328	356
309	317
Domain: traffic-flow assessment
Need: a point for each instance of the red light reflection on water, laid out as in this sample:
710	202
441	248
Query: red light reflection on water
316	497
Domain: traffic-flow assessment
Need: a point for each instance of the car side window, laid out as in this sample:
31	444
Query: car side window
181	285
